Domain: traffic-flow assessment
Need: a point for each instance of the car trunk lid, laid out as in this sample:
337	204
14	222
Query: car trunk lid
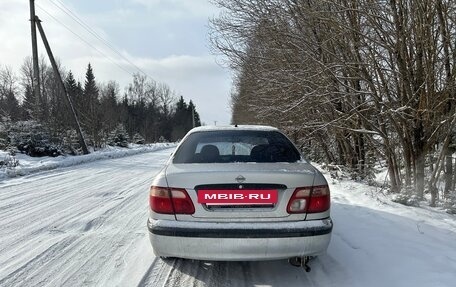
257	178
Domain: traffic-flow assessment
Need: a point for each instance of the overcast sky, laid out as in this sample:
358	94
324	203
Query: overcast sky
167	39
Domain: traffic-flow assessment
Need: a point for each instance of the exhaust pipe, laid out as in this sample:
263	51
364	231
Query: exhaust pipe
300	262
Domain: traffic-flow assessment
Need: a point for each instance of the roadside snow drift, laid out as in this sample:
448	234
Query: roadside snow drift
29	164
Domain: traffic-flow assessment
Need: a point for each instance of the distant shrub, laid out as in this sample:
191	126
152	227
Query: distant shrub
406	199
138	139
450	204
119	137
32	138
38	148
9	161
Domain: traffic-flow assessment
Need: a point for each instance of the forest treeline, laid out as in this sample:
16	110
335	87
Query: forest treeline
146	111
354	82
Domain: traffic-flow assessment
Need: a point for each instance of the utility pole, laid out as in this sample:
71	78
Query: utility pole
36	71
62	85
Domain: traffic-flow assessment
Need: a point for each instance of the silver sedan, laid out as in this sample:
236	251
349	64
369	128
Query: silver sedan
239	193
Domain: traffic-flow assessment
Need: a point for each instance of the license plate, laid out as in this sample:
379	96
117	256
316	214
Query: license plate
237	197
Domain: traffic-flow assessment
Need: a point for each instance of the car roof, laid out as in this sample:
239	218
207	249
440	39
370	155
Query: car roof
233	128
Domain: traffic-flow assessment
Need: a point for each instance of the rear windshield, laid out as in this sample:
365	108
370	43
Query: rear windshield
236	146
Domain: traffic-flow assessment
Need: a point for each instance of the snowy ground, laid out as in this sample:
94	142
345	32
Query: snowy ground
86	226
28	165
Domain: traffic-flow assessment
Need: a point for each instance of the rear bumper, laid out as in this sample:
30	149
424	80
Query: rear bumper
239	241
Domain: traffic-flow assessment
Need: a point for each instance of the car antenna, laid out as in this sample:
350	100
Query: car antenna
235	125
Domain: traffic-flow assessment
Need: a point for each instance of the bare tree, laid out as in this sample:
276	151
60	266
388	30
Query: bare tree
352	78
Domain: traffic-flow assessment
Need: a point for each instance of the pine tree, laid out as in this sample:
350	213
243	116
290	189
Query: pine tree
61	119
182	119
28	104
110	116
91	107
71	85
74	89
196	117
9	107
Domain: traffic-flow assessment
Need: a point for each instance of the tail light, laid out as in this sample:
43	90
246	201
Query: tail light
310	199
170	200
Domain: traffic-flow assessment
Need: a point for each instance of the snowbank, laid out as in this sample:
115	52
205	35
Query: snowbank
359	194
27	164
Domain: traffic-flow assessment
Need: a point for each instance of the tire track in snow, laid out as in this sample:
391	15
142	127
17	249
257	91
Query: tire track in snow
152	274
48	221
184	272
20	274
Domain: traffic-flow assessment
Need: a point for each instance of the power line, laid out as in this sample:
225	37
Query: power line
104	41
85	41
91	31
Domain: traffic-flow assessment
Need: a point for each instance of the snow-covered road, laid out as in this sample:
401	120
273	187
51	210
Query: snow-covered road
86	226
